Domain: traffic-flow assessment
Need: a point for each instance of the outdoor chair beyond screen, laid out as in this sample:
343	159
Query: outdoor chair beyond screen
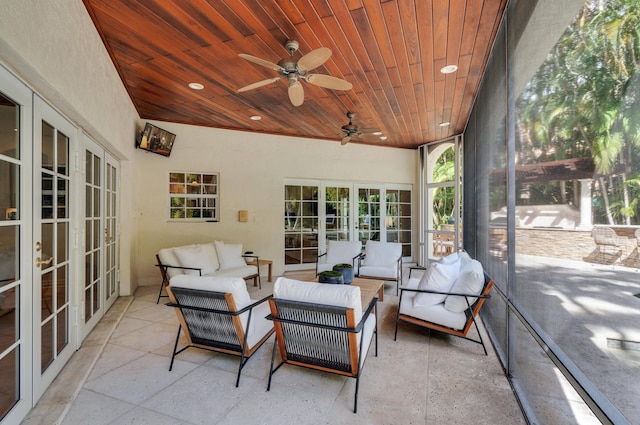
322	326
605	238
217	314
382	261
339	252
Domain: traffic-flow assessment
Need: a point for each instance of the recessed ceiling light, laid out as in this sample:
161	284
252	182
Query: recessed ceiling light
449	69
383	137
255	117
444	124
377	133
196	86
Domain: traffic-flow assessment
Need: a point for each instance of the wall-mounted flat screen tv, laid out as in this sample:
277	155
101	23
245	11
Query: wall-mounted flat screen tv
156	140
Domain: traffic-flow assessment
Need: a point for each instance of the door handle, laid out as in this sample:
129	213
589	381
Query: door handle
39	262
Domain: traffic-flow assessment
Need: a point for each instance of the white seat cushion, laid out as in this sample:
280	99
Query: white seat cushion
241	271
380	272
437	277
470	280
431	313
259	325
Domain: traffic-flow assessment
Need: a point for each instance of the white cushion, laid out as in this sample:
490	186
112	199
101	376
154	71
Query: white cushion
431	313
379	272
210	249
310	292
385	254
451	258
259	325
168	258
437	277
242	271
342	252
232	285
229	255
469	281
194	256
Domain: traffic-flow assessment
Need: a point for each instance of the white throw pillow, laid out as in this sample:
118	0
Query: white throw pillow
451	258
210	249
229	255
194	256
469	281
437	277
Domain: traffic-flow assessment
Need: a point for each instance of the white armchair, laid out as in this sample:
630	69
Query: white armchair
382	261
339	252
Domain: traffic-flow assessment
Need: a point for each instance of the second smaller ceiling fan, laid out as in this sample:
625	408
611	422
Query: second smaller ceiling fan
351	130
295	70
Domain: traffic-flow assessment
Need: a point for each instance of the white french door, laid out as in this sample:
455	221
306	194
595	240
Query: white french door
16	344
54	139
100	247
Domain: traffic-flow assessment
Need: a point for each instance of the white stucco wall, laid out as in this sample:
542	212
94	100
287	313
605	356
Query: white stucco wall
54	47
252	170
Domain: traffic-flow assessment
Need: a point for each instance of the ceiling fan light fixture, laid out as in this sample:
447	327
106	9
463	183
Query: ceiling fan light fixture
196	86
449	69
383	137
377	133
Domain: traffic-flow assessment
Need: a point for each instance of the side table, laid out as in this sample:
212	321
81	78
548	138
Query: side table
262	263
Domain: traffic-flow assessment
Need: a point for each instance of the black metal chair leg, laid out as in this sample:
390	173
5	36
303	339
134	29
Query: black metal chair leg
175	347
160	293
273	356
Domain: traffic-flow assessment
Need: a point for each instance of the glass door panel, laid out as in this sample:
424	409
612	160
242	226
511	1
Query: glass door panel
53	336
442	200
369	210
14	335
53	256
301	224
111	238
337	214
93	239
398	218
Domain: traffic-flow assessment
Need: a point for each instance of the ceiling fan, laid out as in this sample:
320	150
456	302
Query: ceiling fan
295	70
351	130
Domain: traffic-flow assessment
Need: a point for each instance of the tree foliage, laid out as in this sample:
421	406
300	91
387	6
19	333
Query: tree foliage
583	102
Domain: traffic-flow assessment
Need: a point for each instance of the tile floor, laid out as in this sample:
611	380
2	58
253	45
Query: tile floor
120	376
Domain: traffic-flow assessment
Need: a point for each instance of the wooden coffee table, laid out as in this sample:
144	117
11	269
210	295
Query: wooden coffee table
369	288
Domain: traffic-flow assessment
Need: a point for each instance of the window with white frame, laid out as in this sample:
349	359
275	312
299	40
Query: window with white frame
193	196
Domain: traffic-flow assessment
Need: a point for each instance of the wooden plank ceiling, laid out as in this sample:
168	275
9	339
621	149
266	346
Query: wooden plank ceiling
391	51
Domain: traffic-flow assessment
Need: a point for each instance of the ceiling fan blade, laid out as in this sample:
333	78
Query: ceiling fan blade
314	59
258	84
328	82
345	140
262	62
296	93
